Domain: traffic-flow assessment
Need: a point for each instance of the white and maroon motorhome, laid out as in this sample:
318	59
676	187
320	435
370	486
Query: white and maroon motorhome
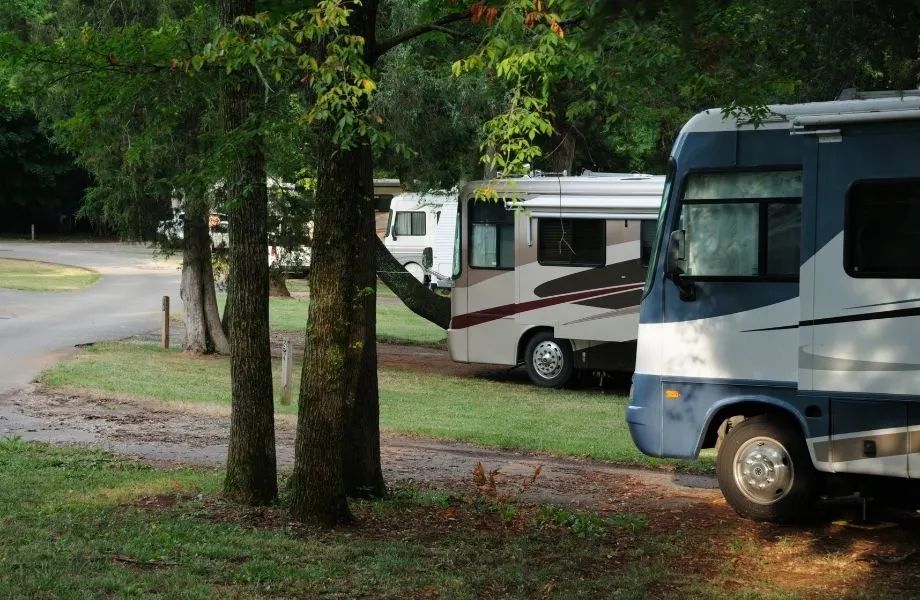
551	275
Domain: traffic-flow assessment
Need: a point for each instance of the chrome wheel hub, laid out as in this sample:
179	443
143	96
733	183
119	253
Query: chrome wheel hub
763	470
548	360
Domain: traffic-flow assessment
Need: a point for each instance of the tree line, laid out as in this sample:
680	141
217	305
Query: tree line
199	103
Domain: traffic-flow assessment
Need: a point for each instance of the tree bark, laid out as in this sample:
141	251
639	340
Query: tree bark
362	470
332	358
251	466
563	157
203	334
414	294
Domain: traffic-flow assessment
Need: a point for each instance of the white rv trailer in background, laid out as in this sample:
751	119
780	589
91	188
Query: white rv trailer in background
441	269
781	315
412	227
551	275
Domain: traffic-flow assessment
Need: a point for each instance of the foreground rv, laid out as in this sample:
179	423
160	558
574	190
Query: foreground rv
550	274
412	225
781	314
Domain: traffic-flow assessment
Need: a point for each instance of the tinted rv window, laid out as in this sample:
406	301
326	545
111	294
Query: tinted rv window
572	242
881	235
491	235
742	224
647	231
409	223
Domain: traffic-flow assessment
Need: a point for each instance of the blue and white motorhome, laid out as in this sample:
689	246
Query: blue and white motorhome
780	321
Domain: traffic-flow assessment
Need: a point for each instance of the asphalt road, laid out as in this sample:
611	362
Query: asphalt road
37	329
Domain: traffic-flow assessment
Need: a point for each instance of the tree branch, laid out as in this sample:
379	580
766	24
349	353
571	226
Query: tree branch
410	34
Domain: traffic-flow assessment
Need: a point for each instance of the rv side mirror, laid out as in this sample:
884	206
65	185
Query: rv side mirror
427	258
676	254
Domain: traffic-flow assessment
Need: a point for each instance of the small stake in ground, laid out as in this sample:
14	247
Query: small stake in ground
286	372
164	333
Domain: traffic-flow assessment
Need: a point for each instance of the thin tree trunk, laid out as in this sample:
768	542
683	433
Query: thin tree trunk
414	294
217	337
196	338
362	469
203	333
331	361
251	467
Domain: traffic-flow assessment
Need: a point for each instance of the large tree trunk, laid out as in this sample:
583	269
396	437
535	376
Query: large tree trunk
332	358
414	294
362	470
203	333
251	467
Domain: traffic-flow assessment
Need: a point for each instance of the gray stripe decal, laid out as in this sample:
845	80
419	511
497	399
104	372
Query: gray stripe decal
817	362
623	311
882	304
848	449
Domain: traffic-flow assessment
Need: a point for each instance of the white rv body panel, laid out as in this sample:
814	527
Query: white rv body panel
412	227
442	267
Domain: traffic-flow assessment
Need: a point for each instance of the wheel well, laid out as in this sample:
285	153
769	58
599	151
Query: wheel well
731	415
525	339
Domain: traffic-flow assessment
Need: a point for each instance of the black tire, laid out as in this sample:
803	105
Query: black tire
543	374
779	462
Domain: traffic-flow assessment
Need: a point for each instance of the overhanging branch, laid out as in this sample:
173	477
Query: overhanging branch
410	34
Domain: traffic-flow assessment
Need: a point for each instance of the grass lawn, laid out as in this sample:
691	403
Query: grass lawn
303	286
85	524
506	415
395	323
37	276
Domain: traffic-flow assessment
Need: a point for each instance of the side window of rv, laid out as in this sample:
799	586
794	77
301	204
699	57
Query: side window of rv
742	224
491	235
572	242
410	223
881	236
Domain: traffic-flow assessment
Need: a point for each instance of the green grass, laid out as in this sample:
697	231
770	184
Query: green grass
36	276
505	415
395	323
302	286
84	524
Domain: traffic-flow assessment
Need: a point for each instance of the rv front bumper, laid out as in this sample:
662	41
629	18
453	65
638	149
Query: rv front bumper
643	413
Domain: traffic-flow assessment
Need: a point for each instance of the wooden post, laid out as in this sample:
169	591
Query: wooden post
33	232
286	372
164	333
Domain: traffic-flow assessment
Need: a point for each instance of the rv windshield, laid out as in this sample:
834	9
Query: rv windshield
662	211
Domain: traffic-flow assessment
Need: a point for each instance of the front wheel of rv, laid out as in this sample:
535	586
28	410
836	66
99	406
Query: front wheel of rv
549	360
765	471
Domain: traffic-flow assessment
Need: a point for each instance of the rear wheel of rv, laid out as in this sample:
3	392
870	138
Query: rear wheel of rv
549	360
765	471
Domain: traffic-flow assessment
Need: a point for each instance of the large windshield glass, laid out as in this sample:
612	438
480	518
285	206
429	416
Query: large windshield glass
662	211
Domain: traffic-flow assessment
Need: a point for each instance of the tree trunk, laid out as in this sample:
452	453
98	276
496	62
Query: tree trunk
332	359
414	294
562	159
362	469
251	467
202	333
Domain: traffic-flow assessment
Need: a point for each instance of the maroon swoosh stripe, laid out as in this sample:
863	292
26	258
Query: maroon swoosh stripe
492	314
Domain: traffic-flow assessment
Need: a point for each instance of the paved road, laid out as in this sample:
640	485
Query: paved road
36	329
